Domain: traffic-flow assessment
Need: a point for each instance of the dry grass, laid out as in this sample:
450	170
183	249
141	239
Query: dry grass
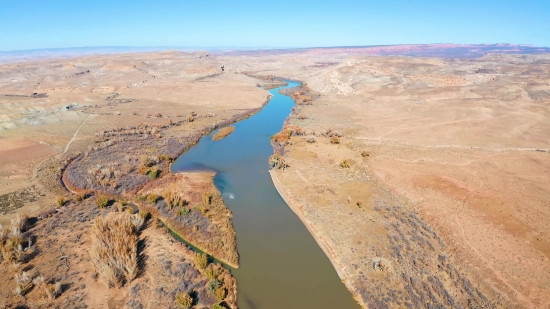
223	132
114	251
11	240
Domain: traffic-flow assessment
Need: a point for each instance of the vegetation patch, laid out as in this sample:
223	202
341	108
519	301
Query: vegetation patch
223	132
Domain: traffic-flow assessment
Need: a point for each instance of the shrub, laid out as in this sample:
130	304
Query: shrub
102	201
201	260
221	293
365	154
335	140
144	215
79	197
154	172
52	289
143	169
345	164
213	273
276	161
360	203
152	198
206	199
184	300
204	210
212	286
114	248
142	198
61	200
218	306
184	211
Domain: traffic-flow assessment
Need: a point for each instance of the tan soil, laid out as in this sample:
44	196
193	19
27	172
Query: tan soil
223	132
467	152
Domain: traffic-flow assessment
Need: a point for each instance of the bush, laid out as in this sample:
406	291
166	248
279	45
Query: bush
345	164
79	197
335	140
184	300
152	198
221	293
276	161
184	211
201	260
365	154
206	199
142	198
102	201
360	203
144	215
60	200
114	248
154	172
218	306
212	286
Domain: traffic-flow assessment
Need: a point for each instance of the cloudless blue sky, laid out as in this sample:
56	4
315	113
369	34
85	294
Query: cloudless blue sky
33	24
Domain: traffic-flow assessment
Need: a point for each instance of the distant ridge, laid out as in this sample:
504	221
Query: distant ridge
413	50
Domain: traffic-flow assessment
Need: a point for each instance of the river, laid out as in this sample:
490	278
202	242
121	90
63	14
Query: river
281	265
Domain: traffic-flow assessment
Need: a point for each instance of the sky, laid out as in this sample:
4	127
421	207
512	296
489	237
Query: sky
37	24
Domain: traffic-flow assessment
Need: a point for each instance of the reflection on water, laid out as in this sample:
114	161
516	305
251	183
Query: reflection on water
281	265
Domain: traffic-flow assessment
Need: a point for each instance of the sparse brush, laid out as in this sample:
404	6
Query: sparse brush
19	222
38	281
335	140
276	161
345	164
201	260
204	210
130	210
365	154
221	293
52	290
119	206
114	248
12	249
60	200
79	197
360	203
102	201
142	198
184	300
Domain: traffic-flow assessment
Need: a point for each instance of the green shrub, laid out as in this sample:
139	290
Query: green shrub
212	286
201	260
102	201
184	211
154	172
184	300
142	198
218	306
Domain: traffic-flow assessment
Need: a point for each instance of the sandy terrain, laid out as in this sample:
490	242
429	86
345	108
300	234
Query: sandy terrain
462	144
425	180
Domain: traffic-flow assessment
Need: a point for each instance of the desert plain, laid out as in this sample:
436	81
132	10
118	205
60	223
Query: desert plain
423	172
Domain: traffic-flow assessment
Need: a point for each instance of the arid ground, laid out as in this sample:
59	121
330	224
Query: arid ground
425	180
